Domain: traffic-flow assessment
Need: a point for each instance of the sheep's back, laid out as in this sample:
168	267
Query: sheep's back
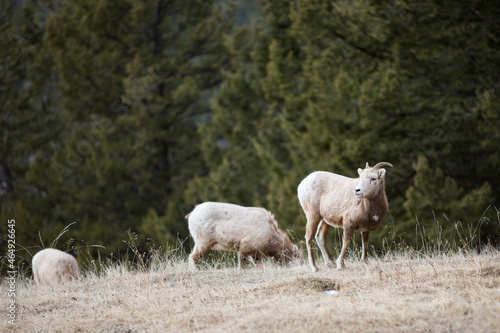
227	224
324	188
51	266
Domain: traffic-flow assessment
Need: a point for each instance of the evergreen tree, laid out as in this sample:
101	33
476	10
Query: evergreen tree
245	132
145	69
123	115
355	82
29	127
405	84
127	83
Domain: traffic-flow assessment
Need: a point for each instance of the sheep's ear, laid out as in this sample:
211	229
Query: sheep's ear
381	173
360	171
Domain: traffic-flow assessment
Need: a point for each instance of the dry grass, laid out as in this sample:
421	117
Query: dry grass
398	293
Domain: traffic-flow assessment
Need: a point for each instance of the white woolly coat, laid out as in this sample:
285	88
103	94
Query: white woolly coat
251	231
331	196
51	266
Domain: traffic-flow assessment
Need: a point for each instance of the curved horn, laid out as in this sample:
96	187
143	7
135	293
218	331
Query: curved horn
378	165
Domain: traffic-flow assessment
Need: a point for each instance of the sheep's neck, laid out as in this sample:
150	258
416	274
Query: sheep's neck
377	206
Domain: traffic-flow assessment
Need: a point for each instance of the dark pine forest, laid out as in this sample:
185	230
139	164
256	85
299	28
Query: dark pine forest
121	116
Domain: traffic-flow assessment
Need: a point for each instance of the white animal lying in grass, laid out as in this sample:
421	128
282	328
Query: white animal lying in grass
51	266
329	199
251	231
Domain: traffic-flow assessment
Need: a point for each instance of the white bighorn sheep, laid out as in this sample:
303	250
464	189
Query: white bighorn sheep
329	200
51	266
251	231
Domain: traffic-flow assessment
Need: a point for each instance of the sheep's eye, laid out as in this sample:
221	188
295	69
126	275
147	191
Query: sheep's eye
373	179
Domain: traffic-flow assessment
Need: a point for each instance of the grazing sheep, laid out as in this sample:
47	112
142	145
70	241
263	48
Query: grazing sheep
329	199
51	266
251	231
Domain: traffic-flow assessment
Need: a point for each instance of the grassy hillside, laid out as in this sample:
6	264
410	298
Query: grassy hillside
400	292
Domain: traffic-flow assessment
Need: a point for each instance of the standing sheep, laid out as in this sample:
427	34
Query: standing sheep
251	231
329	200
51	266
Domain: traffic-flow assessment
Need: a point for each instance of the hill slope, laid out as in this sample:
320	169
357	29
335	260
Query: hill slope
400	293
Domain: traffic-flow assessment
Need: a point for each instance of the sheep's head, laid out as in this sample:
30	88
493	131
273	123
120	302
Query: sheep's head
371	181
297	252
288	250
289	254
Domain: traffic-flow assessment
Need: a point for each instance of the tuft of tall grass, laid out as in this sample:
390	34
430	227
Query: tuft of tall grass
465	238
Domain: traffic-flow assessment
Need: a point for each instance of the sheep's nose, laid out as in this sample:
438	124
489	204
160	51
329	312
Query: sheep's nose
357	190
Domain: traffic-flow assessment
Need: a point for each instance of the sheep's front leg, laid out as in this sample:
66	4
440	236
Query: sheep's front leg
320	239
347	240
241	260
365	236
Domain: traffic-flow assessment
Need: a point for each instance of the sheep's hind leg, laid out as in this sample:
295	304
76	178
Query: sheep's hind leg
196	254
311	228
345	244
320	239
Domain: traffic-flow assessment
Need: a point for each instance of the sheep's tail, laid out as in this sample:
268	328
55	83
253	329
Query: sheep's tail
187	216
